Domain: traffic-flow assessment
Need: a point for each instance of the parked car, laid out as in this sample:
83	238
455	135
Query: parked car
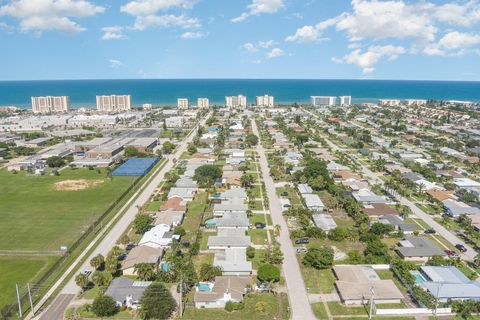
285	194
461	247
302	241
292	219
122	257
260	225
429	231
87	273
130	246
302	250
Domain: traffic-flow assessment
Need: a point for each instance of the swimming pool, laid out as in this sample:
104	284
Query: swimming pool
203	287
419	278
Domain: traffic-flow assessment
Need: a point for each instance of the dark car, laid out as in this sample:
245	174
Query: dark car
285	194
429	231
122	257
461	247
260	225
302	241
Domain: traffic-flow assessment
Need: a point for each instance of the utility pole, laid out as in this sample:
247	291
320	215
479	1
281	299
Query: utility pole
371	304
30	298
181	298
436	300
18	300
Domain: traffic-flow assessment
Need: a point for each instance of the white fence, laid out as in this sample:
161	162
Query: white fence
412	311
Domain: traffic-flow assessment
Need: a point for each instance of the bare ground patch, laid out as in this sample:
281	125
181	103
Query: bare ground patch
75	185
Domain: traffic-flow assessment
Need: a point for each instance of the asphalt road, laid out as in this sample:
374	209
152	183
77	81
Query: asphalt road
109	241
59	305
440	230
297	294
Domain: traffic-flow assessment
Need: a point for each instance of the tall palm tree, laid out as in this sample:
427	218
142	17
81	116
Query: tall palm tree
145	271
82	280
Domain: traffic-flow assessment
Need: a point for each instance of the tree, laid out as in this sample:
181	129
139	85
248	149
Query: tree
319	258
111	264
179	230
247	180
157	302
250	252
97	261
315	232
268	273
101	278
274	255
124	239
55	162
104	306
251	139
145	271
142	223
337	234
192	149
168	147
208	272
376	251
132	152
82	280
207	174
381	229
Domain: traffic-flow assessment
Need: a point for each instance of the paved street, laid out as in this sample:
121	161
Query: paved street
441	230
297	294
110	239
59	305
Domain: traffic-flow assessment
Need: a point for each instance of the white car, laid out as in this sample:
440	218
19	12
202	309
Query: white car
292	219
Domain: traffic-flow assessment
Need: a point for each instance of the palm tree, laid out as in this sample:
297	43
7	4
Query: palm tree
97	261
477	260
82	280
277	230
111	264
145	271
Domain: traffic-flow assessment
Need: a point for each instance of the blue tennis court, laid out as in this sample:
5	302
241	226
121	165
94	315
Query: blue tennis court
135	167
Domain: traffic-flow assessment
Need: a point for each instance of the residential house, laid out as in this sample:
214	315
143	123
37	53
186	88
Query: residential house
224	289
141	254
127	292
324	222
228	238
414	248
157	237
398	224
233	262
456	208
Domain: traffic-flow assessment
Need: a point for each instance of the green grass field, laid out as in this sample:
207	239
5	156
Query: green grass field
30	268
34	215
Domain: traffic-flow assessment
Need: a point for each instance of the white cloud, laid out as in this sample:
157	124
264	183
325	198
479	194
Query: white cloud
266	44
165	21
50	15
275	53
113	33
192	35
453	43
309	34
115	63
369	58
145	13
458	14
150	7
258	7
250	47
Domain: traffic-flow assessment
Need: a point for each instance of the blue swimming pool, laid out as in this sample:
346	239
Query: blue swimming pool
419	278
203	287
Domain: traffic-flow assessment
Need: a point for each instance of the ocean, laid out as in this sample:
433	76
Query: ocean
165	92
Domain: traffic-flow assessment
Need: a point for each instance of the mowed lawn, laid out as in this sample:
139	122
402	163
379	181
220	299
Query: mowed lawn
35	215
19	270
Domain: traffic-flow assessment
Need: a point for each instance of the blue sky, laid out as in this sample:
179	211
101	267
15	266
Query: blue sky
373	39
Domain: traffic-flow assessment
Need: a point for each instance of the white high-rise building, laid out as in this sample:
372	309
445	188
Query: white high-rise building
182	103
236	101
265	101
345	100
50	104
203	103
318	101
114	103
416	102
389	102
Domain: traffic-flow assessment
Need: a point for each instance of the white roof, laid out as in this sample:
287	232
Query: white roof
465	182
156	236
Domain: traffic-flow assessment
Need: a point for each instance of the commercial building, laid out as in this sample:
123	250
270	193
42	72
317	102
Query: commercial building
389	102
416	102
235	101
203	103
265	101
319	101
345	100
114	103
174	122
182	103
50	104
